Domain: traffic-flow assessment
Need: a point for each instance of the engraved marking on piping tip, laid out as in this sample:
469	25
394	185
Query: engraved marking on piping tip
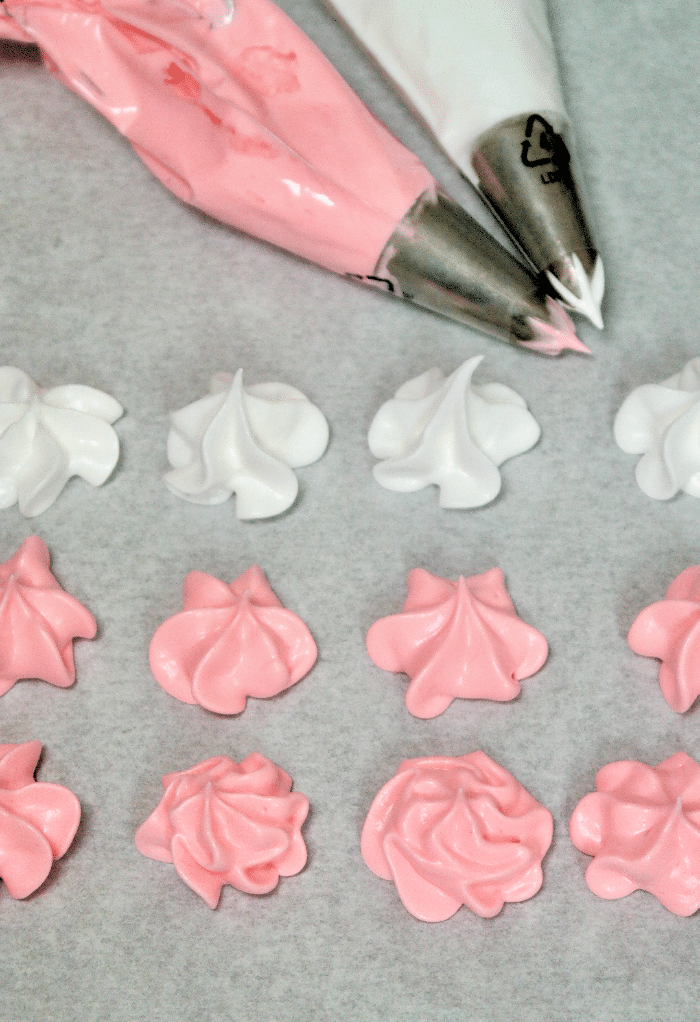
381	283
550	145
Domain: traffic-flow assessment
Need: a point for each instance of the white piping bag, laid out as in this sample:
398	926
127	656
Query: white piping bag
482	75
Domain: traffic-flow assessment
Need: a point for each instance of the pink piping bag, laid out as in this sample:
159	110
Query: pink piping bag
238	113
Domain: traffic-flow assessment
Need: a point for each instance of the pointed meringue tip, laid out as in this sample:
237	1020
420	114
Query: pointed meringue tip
591	290
555	336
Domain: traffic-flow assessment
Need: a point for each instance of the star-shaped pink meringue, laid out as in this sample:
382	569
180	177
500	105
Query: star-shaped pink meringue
230	642
642	825
453	831
222	822
38	620
37	821
457	640
670	630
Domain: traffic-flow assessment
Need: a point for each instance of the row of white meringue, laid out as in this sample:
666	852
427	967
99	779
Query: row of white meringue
247	440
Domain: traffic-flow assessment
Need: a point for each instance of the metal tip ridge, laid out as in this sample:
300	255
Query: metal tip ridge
442	259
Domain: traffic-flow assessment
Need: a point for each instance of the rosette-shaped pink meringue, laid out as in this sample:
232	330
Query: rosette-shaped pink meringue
453	831
457	640
224	823
37	821
670	630
38	620
230	642
642	824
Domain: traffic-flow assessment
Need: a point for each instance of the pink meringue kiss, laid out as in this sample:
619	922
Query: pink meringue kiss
38	620
230	642
456	831
224	823
670	630
37	821
642	826
457	640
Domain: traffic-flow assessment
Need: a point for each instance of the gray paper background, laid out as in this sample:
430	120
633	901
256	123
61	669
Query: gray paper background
108	280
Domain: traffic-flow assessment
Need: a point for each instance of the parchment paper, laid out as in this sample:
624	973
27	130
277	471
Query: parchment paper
106	279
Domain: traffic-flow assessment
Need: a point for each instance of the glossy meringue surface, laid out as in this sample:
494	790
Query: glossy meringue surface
244	440
457	640
38	620
642	825
662	423
453	831
38	821
451	433
230	642
221	822
670	630
47	436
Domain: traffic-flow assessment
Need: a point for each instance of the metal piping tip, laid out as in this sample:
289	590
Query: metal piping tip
585	292
527	176
440	258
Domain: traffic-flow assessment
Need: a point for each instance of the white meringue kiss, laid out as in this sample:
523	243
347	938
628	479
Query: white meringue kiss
47	436
662	423
452	433
244	440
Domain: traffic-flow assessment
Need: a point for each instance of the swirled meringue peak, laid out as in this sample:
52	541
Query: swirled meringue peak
47	436
38	620
453	831
457	640
642	825
662	423
230	642
37	821
244	440
451	433
670	630
221	822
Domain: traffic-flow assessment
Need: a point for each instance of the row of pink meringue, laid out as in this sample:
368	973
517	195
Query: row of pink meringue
448	831
464	639
228	643
463	831
454	639
459	639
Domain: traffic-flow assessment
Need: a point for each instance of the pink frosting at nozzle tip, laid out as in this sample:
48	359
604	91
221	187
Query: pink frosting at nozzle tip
556	336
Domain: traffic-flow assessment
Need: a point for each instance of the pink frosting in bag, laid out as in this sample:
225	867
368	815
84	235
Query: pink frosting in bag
37	821
456	831
221	822
9	28
230	642
38	620
240	115
670	630
457	640
642	825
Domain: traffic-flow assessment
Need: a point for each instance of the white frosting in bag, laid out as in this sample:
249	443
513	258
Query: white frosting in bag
463	65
